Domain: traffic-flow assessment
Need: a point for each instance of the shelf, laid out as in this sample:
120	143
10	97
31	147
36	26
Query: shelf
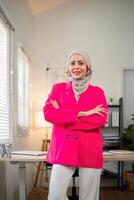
112	147
109	174
114	106
112	134
111	127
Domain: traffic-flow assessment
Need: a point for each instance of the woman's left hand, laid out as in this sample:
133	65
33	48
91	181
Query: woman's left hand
54	104
99	110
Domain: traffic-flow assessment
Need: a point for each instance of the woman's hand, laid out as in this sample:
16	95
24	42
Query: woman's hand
54	104
97	110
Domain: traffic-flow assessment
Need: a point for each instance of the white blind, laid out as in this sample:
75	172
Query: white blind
5	83
23	91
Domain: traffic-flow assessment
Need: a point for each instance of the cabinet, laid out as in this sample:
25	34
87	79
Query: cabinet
112	138
112	132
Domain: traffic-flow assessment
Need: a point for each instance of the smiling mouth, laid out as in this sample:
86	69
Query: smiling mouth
77	72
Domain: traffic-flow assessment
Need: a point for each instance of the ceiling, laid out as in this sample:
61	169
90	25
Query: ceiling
38	6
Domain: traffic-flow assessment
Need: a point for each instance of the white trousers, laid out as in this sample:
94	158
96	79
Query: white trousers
61	176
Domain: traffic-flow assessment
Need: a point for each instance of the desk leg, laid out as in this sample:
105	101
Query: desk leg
22	180
122	174
119	174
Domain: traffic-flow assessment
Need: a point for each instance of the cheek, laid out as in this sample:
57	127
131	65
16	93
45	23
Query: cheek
84	71
70	69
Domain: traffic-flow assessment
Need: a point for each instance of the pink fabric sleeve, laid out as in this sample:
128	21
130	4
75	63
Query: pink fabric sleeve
60	115
94	121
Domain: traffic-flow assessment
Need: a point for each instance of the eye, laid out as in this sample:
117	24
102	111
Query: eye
72	63
81	63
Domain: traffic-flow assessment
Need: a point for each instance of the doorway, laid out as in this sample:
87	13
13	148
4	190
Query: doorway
128	96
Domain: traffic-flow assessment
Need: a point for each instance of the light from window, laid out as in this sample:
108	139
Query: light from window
5	83
23	91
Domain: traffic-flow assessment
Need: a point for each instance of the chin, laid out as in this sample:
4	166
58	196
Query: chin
77	77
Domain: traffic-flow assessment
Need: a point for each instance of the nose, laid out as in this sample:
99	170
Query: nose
76	65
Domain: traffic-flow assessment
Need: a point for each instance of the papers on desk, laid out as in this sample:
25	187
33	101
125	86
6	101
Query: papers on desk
106	153
117	152
121	152
30	153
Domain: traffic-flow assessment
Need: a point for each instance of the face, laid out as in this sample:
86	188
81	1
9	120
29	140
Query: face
77	67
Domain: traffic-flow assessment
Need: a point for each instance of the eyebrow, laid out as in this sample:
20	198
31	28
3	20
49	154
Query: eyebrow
77	61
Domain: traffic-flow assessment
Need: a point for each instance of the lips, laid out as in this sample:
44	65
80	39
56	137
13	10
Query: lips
76	72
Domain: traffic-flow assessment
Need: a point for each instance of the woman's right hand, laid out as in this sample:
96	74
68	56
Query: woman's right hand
54	104
99	110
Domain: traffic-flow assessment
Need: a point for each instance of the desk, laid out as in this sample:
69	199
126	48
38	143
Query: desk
23	160
120	158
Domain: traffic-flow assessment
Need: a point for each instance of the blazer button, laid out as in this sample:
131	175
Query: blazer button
68	136
76	137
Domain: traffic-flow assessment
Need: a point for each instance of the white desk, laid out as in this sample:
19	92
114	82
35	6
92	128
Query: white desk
118	157
23	160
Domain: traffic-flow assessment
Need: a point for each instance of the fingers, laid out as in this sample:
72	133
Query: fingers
100	114
101	110
100	105
54	103
104	110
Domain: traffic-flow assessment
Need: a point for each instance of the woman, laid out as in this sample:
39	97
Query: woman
77	111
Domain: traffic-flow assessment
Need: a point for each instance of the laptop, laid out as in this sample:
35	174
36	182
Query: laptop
29	153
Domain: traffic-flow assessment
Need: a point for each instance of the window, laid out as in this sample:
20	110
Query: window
5	80
23	91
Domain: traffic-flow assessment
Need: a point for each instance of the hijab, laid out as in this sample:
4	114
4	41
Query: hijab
80	85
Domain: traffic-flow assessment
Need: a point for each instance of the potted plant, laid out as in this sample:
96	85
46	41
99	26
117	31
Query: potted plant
128	144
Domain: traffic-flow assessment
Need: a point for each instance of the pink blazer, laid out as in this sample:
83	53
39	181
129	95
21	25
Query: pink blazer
75	141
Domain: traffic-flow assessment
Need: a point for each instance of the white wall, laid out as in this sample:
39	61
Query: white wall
103	28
